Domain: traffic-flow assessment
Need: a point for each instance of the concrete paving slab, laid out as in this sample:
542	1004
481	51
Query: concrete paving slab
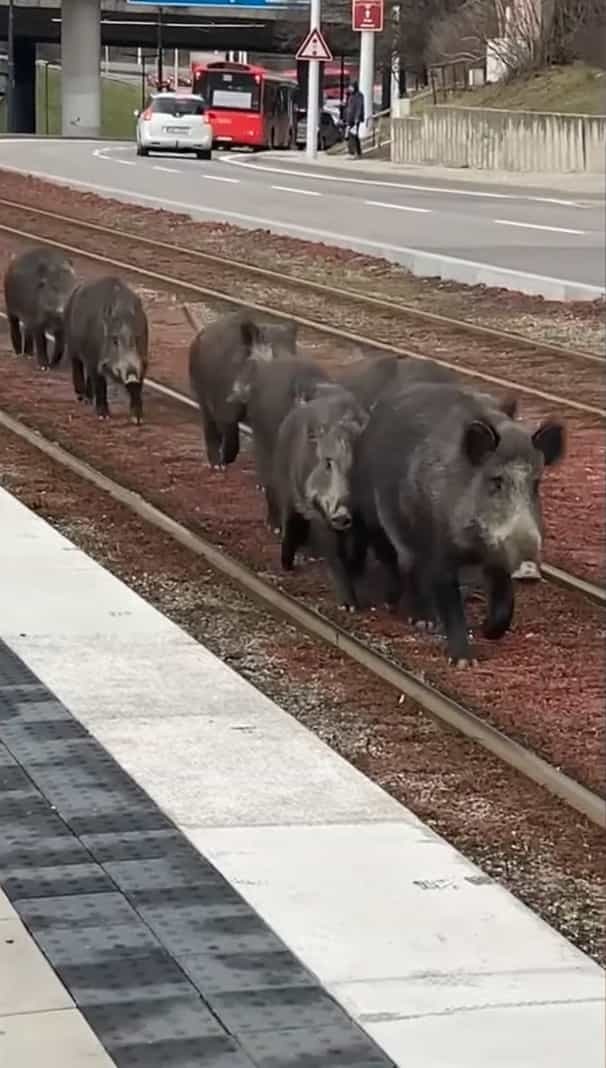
7	911
516	1036
27	981
252	764
52	1040
414	903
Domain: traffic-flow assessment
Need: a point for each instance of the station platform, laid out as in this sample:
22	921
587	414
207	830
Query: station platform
191	878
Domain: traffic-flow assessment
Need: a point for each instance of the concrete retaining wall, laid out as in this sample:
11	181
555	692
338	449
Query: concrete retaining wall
491	139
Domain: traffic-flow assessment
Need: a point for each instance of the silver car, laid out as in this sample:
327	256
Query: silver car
174	122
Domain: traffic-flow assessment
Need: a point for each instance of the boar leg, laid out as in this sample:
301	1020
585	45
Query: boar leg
28	343
335	553
273	511
388	557
230	443
212	438
450	607
16	337
500	603
357	548
80	386
100	387
58	347
135	393
41	348
295	530
422	608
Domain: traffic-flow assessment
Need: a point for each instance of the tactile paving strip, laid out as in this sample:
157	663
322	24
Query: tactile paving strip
168	963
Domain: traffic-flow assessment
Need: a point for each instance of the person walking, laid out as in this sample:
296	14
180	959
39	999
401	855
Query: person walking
354	116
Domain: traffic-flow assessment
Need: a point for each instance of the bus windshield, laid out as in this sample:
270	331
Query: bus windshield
230	90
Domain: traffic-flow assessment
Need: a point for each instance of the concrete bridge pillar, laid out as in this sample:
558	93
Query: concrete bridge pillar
80	62
24	104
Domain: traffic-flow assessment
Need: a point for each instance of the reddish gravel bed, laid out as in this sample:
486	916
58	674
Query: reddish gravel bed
565	376
543	684
574	495
553	859
575	324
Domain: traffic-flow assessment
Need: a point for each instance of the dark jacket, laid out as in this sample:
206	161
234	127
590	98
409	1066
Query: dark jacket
354	109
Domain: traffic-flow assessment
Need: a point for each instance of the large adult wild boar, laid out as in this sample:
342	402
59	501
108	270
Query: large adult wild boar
107	336
216	357
445	478
37	285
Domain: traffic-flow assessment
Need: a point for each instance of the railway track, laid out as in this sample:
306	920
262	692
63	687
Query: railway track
368	300
553	574
385	320
425	695
431	700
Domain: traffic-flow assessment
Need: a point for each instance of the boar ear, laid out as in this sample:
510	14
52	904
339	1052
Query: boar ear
250	333
509	405
550	440
480	439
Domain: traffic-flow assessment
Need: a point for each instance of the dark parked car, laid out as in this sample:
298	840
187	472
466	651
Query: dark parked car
328	134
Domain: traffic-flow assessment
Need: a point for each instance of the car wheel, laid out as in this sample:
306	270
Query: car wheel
205	153
142	151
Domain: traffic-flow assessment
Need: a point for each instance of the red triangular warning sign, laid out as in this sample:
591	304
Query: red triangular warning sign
314	47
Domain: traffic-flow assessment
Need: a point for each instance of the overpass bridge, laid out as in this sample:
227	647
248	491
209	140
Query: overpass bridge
84	27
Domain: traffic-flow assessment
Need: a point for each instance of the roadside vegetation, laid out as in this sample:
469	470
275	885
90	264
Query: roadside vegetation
118	101
576	89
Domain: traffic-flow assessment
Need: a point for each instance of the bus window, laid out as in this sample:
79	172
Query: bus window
270	98
231	90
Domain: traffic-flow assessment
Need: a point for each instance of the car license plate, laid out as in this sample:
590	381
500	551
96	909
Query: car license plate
177	129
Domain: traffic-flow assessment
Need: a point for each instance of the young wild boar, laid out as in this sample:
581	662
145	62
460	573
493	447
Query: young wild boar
445	478
269	391
216	358
106	335
37	285
311	479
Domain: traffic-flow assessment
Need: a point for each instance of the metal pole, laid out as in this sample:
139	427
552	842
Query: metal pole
313	88
143	82
10	88
367	77
176	69
160	47
46	125
395	61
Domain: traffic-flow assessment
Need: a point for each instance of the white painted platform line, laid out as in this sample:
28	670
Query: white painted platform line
442	966
39	1023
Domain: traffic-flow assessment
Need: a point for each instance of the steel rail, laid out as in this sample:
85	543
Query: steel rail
312	324
437	704
321	288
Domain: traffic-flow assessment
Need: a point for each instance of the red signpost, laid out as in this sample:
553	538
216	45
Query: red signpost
367	15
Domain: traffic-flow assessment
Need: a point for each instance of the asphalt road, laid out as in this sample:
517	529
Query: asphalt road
533	239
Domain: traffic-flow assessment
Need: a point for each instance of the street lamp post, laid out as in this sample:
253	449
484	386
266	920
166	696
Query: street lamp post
10	88
160	49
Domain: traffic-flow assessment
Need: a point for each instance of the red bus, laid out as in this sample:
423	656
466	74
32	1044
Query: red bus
247	105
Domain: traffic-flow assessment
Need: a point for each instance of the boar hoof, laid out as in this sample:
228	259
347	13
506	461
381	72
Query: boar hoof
462	662
422	624
346	607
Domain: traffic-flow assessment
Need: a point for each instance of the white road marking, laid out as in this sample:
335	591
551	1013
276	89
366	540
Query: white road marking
538	226
398	207
220	178
356	243
167	170
122	162
301	192
244	161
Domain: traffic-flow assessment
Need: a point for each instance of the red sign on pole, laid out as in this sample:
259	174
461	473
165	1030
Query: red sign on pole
367	15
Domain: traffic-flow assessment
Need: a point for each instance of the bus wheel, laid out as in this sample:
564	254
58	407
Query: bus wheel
204	153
